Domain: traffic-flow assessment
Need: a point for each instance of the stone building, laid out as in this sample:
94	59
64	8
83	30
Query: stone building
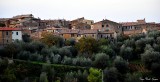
8	35
69	33
81	23
57	23
138	27
107	25
23	21
78	33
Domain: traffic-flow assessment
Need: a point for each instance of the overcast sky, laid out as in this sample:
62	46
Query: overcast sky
97	10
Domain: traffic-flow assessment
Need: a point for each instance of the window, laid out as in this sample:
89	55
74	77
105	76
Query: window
6	33
126	27
72	35
16	33
7	41
107	25
101	36
102	25
12	32
118	26
92	35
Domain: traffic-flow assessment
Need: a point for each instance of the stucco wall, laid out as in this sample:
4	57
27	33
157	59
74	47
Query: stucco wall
15	36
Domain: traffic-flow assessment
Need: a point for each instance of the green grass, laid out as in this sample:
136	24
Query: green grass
43	63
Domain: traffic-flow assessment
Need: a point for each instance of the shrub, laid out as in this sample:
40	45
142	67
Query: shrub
140	43
135	77
121	65
64	51
54	50
87	45
70	42
148	47
46	52
67	60
34	57
156	47
149	57
24	55
149	40
82	61
101	60
26	38
107	50
137	36
55	58
43	77
154	34
94	75
155	69
129	43
82	76
126	53
70	77
110	75
158	40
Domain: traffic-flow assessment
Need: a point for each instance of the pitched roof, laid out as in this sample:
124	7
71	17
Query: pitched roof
106	32
9	29
68	31
23	15
129	23
106	20
82	18
139	22
89	31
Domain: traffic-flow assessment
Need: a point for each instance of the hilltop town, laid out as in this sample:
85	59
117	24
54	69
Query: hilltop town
28	24
80	50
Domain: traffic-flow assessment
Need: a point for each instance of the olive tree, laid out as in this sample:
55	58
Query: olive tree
149	57
43	77
107	50
126	53
121	65
111	75
101	60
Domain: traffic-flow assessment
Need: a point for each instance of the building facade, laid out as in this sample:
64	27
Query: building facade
77	34
8	35
107	25
81	23
138	27
56	23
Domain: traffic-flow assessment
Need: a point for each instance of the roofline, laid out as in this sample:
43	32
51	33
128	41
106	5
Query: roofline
107	20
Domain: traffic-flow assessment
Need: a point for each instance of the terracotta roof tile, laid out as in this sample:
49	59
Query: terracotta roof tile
106	20
9	29
68	31
129	23
89	31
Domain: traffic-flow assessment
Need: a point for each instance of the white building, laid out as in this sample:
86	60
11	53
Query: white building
16	35
8	35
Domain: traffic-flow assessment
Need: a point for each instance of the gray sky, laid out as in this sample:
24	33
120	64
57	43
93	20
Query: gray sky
97	10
